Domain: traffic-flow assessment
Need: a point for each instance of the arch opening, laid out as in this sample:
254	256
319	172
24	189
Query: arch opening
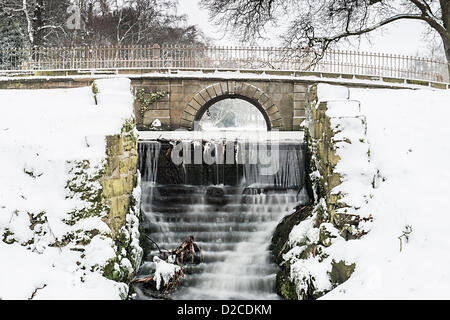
232	113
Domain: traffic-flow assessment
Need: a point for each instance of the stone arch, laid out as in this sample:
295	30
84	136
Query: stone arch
231	89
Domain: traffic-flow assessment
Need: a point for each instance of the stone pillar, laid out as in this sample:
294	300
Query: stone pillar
299	105
156	56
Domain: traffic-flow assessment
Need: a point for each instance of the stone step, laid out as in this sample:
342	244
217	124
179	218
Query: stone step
201	226
216	217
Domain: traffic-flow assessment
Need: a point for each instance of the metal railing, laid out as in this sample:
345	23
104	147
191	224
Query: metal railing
217	57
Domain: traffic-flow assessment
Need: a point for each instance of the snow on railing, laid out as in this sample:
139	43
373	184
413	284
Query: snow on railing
219	57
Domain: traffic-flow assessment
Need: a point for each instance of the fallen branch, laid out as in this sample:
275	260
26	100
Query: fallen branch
146	280
188	247
159	282
154	242
35	292
408	230
166	279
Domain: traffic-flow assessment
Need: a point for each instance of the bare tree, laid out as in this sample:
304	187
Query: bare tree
42	21
103	22
322	23
114	22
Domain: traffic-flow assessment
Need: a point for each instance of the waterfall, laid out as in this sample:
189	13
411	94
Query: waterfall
239	264
232	222
287	166
148	166
148	160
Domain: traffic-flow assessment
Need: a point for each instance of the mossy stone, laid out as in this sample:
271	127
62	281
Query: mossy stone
281	235
112	166
129	184
117	186
284	286
124	166
114	145
341	272
123	205
107	189
333	181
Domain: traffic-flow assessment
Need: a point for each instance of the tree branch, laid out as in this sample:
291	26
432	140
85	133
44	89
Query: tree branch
429	19
445	7
371	28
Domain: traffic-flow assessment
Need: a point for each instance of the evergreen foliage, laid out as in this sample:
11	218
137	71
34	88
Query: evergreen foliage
10	37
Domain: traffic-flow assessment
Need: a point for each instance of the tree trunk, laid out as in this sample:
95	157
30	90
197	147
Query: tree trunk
38	22
447	55
445	8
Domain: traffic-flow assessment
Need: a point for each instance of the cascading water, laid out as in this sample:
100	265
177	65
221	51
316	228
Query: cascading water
232	223
148	160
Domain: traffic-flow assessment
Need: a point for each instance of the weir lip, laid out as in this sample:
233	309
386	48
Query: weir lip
180	135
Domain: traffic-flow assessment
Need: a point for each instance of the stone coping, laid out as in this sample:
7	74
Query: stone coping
282	136
74	76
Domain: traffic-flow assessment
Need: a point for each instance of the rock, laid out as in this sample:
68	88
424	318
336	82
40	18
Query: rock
216	196
284	286
280	238
341	272
156	124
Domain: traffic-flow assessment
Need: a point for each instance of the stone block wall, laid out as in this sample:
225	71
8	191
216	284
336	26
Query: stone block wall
120	194
287	97
158	110
324	142
320	135
335	132
120	176
44	83
299	105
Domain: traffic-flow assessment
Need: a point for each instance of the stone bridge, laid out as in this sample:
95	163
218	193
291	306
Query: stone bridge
280	96
274	80
281	102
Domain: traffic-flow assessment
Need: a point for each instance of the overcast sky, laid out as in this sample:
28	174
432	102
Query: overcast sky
403	37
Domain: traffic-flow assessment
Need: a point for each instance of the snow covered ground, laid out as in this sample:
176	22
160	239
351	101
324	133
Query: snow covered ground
44	132
42	135
408	135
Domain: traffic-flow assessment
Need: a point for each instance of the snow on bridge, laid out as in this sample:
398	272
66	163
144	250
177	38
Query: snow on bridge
156	57
274	80
280	96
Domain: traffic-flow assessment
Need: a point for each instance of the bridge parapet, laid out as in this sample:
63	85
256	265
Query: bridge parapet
226	58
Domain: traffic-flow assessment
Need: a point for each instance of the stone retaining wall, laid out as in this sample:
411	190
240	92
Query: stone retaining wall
120	177
308	270
321	136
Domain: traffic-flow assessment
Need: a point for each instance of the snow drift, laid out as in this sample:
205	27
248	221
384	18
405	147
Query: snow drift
402	185
43	133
